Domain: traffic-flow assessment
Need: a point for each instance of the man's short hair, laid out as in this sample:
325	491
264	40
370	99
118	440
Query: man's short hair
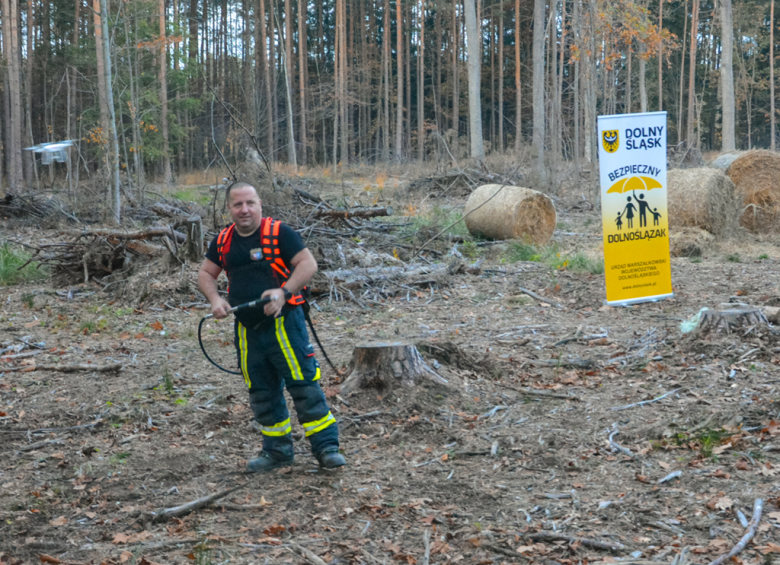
238	184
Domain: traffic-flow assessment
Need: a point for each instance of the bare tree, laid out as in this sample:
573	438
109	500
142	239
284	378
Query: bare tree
538	87
518	83
14	117
475	103
727	75
692	75
167	177
399	111
772	118
112	153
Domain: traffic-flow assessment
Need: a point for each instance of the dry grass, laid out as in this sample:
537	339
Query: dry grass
756	174
702	198
514	213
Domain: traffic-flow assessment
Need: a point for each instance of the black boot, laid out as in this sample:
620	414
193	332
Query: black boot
331	459
267	461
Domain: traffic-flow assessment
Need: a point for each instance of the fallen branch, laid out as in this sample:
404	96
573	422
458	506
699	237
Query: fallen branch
540	298
37	444
308	554
119	234
504	551
570	363
354	213
751	531
549	536
47	430
617	447
21	355
656	399
670	476
541	393
178	511
110	367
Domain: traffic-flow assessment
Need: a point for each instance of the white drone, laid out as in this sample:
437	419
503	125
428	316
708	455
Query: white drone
56	151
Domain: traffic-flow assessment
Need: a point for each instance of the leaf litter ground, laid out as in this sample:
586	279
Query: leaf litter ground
519	444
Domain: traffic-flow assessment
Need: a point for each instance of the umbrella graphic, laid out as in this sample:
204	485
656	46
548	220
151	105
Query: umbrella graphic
633	183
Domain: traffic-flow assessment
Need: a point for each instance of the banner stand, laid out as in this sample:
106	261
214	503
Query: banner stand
634	210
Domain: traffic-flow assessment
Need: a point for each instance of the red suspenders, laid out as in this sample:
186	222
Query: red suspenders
269	237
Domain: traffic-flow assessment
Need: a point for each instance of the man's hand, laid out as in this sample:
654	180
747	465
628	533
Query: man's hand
220	308
274	308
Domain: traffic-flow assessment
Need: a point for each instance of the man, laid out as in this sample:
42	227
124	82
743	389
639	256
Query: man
264	258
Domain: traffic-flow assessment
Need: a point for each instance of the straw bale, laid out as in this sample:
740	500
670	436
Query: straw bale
703	198
513	213
689	242
723	162
756	174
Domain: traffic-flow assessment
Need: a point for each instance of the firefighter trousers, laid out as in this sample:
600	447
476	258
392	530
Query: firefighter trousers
279	355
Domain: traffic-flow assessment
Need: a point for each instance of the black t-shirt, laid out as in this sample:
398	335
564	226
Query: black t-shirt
250	274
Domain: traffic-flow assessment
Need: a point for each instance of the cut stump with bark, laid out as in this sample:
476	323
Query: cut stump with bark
730	319
194	244
388	365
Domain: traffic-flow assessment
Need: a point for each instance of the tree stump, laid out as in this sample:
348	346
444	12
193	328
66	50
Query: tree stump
730	319
386	365
194	245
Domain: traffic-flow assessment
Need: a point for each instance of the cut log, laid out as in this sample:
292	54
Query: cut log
387	365
731	319
194	244
354	213
167	211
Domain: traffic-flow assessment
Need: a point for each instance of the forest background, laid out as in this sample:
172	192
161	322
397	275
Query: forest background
157	89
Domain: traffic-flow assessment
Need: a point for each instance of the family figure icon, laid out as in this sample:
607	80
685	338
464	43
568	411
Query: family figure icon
629	213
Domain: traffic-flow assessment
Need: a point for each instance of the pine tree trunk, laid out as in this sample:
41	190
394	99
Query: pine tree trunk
115	203
689	136
577	86
266	66
518	83
138	165
387	28
421	86
343	81
538	88
167	177
455	78
28	157
642	77
682	76
475	103
303	7
501	81
399	110
660	57
772	119
408	66
727	76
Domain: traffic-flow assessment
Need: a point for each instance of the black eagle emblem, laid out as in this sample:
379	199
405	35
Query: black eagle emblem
611	140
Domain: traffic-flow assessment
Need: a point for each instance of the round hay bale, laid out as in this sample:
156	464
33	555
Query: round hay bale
513	213
702	198
724	161
756	174
689	242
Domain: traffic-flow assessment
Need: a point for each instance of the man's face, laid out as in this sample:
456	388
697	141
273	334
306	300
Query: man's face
245	209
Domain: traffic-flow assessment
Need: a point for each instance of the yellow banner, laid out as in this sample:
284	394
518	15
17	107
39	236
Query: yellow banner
632	165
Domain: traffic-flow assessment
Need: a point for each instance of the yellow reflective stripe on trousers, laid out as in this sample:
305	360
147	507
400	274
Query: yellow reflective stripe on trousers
280	429
317	375
289	354
244	350
319	425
